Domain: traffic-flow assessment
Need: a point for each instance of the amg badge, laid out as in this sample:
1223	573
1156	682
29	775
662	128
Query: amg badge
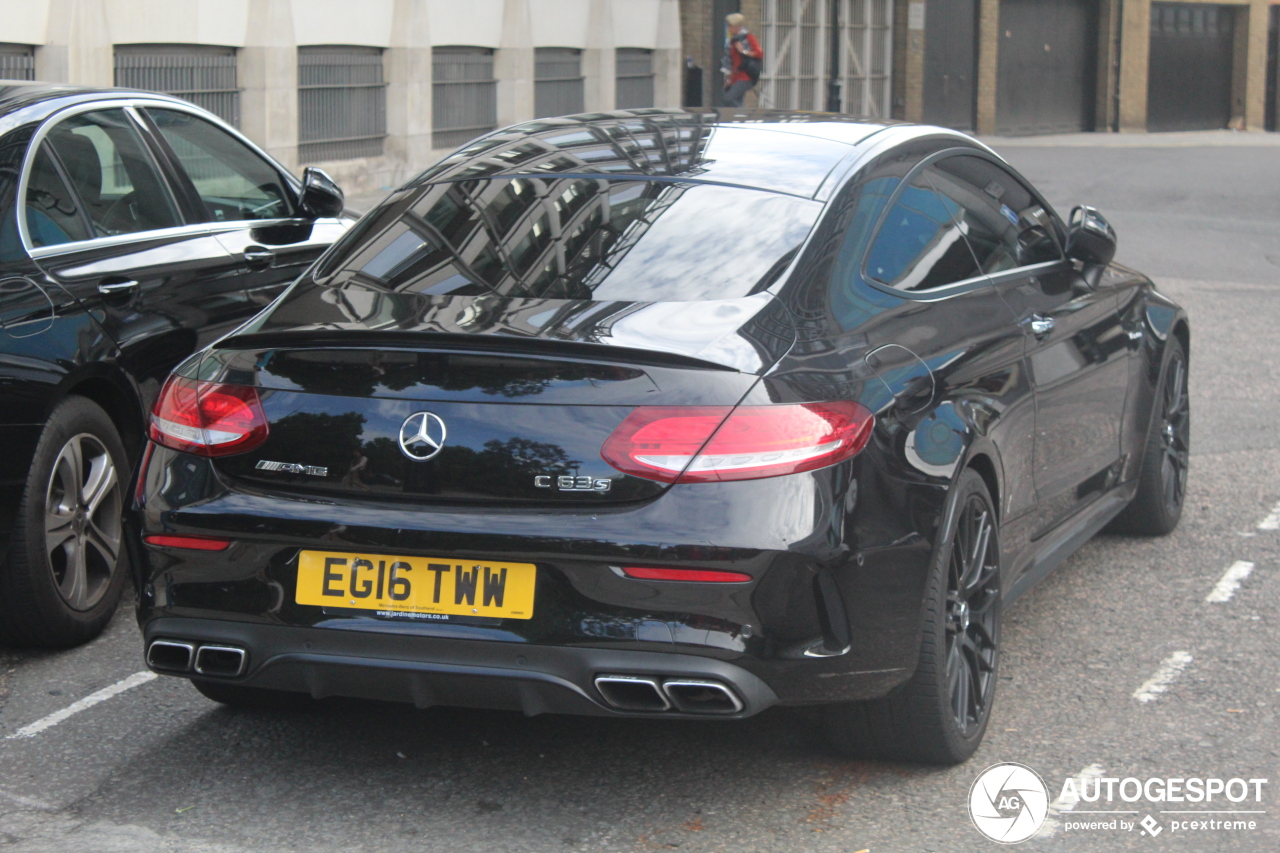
574	484
292	468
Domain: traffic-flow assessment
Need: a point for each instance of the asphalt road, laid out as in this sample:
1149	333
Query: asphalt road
158	768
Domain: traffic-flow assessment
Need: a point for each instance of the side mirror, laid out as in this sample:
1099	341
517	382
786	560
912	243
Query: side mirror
1090	238
321	197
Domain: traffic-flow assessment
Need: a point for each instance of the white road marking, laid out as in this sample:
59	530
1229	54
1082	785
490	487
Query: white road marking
76	707
1159	683
29	802
1230	582
1067	801
1272	521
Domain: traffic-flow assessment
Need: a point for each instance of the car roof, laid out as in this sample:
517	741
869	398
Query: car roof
34	100
773	150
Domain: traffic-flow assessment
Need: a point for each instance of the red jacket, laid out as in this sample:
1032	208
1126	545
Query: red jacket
735	55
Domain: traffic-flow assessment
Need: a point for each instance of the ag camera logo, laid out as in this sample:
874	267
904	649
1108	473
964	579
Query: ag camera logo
1008	802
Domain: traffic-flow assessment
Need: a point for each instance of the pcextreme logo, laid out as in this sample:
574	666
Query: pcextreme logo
1009	803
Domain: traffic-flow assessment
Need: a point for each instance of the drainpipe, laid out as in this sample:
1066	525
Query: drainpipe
833	87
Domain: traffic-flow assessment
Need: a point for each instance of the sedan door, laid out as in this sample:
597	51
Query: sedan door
1077	350
252	207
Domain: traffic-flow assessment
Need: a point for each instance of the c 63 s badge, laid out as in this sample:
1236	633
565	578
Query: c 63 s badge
292	468
573	484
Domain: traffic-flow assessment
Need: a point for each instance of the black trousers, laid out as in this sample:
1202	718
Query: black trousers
734	94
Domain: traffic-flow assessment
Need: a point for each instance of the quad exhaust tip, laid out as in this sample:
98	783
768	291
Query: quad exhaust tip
653	694
180	656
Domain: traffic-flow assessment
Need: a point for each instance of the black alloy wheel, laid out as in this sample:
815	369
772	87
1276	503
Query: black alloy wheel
940	715
1162	483
972	625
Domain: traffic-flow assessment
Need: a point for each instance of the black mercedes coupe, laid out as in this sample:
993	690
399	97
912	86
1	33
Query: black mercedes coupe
665	414
134	230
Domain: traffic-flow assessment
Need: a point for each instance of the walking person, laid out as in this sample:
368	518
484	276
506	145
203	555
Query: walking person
743	61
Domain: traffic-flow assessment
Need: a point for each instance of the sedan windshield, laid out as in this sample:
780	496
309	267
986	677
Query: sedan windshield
602	239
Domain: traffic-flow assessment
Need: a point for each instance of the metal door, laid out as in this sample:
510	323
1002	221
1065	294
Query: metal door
1046	66
950	63
1273	68
1189	78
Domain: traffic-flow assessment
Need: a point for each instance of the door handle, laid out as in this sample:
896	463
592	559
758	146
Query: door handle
116	288
1040	326
256	256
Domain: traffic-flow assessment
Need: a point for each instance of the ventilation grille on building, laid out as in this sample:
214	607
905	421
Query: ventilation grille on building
342	103
201	74
635	78
464	95
17	62
557	82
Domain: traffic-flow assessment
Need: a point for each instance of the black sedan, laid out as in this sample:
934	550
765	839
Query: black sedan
134	230
670	415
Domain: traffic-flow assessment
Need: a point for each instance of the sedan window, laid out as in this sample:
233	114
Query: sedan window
52	210
104	158
233	181
921	243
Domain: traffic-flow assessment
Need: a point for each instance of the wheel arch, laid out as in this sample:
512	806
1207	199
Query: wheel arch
985	466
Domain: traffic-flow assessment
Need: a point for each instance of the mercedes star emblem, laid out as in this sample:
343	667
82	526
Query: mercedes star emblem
422	436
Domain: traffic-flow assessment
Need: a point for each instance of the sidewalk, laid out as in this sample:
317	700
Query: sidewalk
1185	139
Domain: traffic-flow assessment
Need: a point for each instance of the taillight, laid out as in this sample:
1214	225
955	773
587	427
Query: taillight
704	444
208	418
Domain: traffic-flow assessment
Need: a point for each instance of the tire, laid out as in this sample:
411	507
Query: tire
941	714
63	582
239	696
1162	484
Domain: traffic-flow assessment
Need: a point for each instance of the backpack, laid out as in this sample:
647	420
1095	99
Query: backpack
749	65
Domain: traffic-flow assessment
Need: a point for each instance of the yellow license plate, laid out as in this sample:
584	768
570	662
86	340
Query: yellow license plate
416	584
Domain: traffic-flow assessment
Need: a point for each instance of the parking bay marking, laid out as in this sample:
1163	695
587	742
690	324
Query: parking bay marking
1165	675
1230	582
1272	521
33	729
1067	804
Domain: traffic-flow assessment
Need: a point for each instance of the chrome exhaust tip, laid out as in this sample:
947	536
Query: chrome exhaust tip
220	661
702	696
632	693
170	655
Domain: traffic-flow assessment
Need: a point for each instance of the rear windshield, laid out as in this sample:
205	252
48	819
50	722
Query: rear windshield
575	238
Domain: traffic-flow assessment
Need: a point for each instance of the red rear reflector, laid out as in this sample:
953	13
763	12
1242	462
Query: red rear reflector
207	418
689	575
713	444
193	543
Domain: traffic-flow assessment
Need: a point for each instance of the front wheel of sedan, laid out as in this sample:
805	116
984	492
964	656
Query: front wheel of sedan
940	715
1162	483
65	571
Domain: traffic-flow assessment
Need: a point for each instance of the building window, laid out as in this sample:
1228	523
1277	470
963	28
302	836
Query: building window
342	103
464	95
557	89
205	75
635	78
17	62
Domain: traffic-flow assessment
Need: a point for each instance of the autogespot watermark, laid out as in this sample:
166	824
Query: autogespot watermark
1009	803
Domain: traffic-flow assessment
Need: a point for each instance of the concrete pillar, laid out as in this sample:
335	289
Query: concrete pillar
269	80
668	60
909	15
988	67
1105	114
1135	36
599	66
513	64
79	49
408	67
1255	89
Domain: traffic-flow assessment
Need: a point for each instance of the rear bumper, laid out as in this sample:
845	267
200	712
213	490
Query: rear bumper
428	671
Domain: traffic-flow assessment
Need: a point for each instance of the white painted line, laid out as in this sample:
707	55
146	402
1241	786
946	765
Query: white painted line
1067	800
1272	521
1230	582
79	705
29	802
1159	683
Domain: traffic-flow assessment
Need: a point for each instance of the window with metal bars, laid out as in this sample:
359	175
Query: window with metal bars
557	88
17	62
205	75
635	78
342	103
464	95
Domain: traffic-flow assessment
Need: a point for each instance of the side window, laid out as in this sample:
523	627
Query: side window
52	211
109	168
1004	222
233	181
921	242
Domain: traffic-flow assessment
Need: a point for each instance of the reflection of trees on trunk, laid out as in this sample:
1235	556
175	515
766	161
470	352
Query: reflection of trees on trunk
503	467
316	438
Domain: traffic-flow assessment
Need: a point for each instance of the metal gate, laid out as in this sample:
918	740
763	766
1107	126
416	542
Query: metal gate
796	37
950	63
1273	68
1046	66
17	62
1189	78
203	75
